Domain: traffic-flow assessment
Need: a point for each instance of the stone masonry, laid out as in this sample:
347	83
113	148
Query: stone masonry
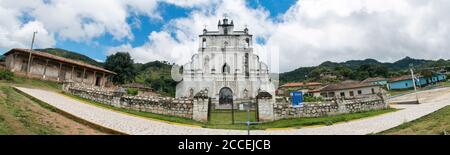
283	109
152	104
269	109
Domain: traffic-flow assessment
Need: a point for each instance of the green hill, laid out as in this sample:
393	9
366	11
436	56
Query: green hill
156	74
360	69
71	55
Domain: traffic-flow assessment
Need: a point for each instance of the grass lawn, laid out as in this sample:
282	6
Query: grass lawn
224	116
241	116
33	83
436	123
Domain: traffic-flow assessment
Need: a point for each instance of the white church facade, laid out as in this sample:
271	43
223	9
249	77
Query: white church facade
225	67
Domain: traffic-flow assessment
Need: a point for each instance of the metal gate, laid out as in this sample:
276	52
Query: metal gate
225	110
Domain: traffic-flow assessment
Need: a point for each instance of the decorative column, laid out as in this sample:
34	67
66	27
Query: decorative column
59	71
103	80
84	74
94	80
71	74
45	69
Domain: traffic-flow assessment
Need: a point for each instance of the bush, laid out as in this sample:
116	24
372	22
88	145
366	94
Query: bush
312	99
6	75
132	91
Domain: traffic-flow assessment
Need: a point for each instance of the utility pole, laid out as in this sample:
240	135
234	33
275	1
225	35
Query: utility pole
31	50
414	81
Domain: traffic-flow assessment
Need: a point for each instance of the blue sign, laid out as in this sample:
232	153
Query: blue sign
297	98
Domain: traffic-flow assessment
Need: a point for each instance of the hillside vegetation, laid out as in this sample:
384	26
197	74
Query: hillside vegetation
361	69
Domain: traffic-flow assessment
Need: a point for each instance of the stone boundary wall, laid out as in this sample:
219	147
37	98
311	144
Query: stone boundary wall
152	104
283	109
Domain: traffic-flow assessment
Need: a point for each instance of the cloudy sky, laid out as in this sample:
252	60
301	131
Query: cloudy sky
303	32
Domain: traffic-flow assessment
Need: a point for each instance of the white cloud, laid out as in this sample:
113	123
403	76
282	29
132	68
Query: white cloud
15	34
310	32
183	44
385	30
313	31
80	20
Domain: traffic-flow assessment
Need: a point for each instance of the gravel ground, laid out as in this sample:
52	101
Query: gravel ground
431	100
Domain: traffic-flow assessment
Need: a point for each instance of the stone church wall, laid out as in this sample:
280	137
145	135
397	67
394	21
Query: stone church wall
157	105
197	109
285	110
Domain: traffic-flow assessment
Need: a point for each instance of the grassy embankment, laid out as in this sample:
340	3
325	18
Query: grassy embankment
20	115
436	123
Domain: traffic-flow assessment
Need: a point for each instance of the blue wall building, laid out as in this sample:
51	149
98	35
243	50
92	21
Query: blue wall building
405	82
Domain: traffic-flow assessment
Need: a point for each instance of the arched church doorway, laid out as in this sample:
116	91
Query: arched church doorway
226	96
222	111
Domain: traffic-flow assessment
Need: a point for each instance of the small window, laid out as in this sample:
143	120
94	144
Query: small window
204	43
373	91
359	92
351	93
342	94
247	43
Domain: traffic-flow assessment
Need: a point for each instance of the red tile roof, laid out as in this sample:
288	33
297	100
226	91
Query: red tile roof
58	58
347	85
300	84
375	79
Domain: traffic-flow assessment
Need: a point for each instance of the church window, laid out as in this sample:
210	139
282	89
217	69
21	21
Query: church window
247	43
204	43
226	69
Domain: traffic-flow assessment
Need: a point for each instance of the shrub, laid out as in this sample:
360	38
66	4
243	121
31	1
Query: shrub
132	91
6	75
312	99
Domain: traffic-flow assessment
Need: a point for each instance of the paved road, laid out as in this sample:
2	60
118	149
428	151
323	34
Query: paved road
432	100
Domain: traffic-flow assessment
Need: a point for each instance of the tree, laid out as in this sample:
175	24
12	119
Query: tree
122	64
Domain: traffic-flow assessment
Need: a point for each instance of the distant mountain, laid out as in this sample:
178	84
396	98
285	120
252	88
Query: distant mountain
71	55
359	69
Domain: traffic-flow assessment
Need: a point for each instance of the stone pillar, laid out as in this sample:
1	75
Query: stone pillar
341	106
200	107
117	95
265	109
66	85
